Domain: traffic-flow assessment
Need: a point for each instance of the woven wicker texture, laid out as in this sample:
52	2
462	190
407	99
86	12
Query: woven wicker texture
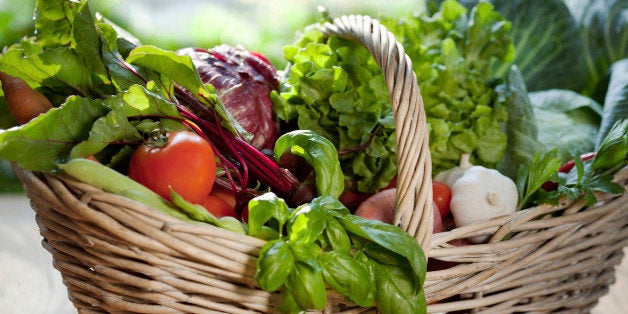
116	255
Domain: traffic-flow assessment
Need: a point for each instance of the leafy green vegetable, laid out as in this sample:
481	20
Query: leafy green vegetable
533	174
453	52
564	44
334	88
604	30
319	153
522	131
325	244
46	141
566	120
616	100
613	150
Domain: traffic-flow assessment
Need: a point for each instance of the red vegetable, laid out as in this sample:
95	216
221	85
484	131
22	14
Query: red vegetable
438	220
224	194
218	207
381	206
186	162
442	197
243	81
23	102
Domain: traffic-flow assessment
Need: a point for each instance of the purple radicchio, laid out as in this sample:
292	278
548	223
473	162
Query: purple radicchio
243	81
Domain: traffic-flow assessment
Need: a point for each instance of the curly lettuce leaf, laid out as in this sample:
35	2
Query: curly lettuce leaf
335	89
453	53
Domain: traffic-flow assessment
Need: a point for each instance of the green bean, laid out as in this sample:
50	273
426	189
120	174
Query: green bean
111	181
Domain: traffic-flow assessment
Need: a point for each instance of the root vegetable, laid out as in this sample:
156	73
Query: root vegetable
482	194
24	103
381	206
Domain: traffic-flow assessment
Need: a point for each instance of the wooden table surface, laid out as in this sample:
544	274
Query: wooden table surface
30	285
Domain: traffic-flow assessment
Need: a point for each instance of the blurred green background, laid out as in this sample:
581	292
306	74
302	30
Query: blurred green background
265	26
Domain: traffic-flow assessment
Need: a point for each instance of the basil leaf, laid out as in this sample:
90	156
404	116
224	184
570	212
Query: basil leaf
288	304
390	237
264	208
320	153
395	290
348	276
306	285
306	223
337	236
275	263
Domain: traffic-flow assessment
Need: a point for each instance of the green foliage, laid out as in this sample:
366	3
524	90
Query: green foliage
376	264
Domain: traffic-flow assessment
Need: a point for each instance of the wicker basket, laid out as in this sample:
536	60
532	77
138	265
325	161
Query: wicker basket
116	255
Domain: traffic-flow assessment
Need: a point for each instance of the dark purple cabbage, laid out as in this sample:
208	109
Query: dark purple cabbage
243	81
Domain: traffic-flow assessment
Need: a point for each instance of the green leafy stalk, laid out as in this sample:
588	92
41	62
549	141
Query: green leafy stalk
532	175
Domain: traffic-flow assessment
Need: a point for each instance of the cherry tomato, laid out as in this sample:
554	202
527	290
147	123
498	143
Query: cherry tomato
218	207
225	194
186	163
442	197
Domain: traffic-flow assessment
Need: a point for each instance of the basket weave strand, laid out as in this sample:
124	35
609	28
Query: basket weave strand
413	208
119	256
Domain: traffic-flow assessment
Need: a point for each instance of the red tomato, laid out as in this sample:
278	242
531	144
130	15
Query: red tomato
186	163
227	195
217	207
442	197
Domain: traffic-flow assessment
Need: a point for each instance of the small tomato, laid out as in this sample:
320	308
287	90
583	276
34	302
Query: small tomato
442	197
225	194
218	207
186	163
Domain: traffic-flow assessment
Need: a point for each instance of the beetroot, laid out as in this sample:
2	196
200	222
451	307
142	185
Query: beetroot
243	81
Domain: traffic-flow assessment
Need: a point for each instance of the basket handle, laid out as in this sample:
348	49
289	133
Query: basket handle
413	207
